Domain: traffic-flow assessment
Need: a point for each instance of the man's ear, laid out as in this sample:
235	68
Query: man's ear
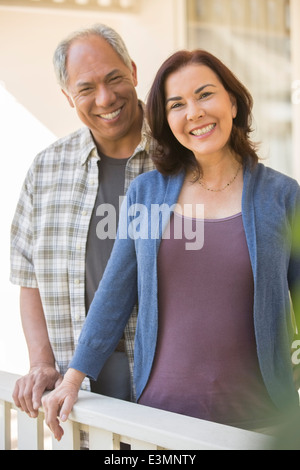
71	103
134	73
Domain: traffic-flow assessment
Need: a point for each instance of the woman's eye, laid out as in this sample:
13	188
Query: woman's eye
176	105
205	95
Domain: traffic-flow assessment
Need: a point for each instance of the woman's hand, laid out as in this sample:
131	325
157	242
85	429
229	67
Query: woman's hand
59	403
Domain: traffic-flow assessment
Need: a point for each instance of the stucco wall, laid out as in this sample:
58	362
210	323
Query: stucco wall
29	36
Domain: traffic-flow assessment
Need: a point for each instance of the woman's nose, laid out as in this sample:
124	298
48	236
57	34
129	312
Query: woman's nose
195	111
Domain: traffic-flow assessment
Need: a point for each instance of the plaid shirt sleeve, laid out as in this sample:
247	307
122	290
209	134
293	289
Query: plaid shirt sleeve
22	267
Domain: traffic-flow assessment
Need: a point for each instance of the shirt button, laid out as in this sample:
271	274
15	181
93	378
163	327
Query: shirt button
84	213
77	281
77	317
84	387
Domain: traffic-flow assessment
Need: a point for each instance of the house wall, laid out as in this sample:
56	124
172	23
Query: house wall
30	36
295	41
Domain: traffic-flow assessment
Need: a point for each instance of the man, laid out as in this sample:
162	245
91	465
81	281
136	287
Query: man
59	242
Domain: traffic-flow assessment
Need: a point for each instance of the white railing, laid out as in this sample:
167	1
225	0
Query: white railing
109	422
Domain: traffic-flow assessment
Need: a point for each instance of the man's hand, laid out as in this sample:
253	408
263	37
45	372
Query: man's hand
43	374
29	389
59	403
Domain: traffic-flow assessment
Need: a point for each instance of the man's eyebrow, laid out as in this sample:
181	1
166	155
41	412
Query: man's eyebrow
178	98
82	84
112	73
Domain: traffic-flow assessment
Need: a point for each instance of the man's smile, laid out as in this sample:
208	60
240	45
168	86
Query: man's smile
111	116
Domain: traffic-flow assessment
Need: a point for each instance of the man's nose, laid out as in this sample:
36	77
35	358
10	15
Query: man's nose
105	97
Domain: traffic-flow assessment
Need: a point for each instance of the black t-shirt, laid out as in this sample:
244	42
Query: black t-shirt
114	379
104	221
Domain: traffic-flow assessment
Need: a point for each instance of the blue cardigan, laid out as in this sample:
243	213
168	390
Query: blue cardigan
269	207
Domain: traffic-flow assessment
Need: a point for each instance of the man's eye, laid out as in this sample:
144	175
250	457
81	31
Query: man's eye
85	90
116	78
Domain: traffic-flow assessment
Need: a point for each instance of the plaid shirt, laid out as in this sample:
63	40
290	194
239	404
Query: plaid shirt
50	229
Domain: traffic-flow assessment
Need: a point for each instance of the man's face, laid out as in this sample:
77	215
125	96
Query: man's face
102	89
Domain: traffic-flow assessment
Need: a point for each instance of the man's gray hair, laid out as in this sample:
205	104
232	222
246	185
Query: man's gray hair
101	30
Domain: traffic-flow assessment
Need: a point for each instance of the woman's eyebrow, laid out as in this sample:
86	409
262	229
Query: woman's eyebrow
202	88
178	98
174	98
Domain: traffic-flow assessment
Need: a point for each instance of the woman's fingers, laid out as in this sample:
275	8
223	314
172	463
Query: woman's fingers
59	404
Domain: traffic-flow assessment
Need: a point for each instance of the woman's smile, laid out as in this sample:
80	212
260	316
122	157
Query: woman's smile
204	130
199	110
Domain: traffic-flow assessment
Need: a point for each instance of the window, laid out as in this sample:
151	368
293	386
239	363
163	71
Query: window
252	37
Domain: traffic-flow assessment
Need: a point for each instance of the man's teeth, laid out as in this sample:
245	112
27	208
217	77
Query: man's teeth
203	130
111	115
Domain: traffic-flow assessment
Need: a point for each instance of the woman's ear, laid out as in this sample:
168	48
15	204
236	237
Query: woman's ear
234	106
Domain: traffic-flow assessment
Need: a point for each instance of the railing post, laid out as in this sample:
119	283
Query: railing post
5	427
70	439
140	445
99	439
30	432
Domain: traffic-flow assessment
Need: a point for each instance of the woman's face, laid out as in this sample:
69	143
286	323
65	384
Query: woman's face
199	110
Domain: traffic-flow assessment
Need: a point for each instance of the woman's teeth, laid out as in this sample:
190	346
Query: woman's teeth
203	130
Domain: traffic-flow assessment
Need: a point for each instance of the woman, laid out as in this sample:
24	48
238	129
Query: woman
214	329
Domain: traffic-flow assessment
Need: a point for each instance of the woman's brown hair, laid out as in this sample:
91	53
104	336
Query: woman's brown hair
172	157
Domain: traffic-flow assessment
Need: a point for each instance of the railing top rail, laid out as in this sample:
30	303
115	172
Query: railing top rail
168	430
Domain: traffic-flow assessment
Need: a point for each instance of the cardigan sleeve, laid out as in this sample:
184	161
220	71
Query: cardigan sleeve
112	304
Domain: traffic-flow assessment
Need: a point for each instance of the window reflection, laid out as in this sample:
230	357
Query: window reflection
252	37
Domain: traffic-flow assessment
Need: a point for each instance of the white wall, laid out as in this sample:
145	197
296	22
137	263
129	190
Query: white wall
295	30
21	136
29	37
33	111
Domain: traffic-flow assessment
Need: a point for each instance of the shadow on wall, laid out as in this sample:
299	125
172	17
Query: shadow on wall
22	137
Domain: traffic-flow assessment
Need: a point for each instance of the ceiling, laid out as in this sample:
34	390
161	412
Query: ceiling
108	5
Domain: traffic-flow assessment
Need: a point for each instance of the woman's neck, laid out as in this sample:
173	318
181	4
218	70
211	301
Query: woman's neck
219	170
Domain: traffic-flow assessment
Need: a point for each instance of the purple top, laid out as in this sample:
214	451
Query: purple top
206	363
